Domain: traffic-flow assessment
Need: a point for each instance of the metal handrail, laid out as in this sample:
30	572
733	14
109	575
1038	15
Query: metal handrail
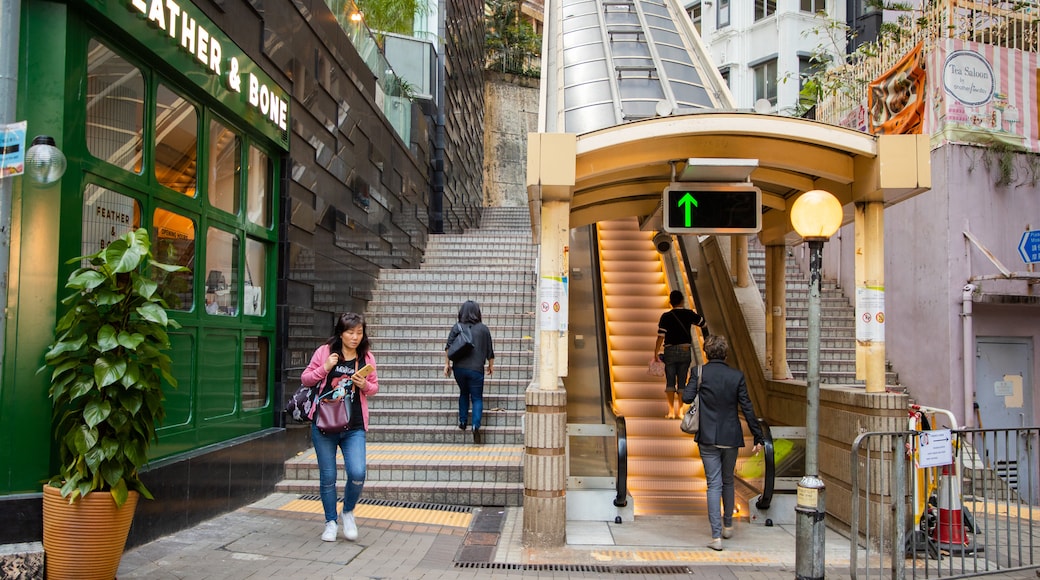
621	426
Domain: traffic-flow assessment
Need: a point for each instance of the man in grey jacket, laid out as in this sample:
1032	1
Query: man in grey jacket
722	391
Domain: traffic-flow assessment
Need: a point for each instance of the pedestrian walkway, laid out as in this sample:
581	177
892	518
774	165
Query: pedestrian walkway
278	537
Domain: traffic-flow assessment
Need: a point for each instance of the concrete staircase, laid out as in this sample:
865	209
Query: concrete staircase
416	453
838	323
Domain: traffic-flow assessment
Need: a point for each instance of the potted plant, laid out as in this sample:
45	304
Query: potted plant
107	365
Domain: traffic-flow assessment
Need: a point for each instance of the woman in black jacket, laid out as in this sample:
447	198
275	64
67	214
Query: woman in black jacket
469	370
720	437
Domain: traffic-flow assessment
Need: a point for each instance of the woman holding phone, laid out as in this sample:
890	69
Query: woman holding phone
343	367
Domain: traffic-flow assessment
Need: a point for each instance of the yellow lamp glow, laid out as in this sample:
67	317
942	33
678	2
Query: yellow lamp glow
816	214
356	16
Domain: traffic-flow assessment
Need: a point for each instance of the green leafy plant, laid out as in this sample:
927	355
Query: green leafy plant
107	365
512	44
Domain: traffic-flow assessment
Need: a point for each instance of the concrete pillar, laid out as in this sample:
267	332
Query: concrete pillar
776	311
870	295
739	260
545	469
550	184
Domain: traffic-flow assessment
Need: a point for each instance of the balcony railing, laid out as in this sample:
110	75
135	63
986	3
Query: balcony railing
392	95
1007	24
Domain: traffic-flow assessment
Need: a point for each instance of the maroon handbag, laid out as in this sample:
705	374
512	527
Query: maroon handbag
333	415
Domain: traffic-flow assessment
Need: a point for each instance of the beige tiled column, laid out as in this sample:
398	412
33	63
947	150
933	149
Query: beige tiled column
550	184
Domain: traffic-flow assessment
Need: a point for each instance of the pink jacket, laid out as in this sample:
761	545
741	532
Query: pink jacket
315	373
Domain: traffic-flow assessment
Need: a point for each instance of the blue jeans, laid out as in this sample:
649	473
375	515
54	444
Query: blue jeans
677	360
471	388
719	463
352	444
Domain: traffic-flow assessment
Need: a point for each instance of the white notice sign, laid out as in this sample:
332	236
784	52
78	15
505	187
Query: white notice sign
935	448
870	314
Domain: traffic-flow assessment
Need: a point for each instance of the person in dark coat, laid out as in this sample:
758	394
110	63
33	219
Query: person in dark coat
469	370
722	391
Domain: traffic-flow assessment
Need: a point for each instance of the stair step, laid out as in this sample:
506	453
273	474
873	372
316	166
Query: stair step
415	451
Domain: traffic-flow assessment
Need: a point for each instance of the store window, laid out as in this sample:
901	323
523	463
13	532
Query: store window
254	372
115	108
221	273
225	153
176	141
256	274
159	155
174	243
258	188
107	215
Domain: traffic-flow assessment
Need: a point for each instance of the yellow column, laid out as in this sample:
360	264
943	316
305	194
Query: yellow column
776	310
550	184
870	295
739	260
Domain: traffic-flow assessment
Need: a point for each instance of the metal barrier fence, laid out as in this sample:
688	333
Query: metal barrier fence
976	516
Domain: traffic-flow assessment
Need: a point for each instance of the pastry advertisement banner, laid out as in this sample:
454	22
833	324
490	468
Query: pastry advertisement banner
982	94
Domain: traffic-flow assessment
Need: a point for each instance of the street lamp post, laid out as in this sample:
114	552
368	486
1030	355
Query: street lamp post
815	215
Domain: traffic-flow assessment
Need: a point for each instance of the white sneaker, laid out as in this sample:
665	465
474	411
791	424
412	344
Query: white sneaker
349	526
329	535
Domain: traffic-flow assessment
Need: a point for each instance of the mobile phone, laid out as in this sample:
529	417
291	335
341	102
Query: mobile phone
363	371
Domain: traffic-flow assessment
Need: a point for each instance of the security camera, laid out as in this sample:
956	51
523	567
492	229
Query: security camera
663	242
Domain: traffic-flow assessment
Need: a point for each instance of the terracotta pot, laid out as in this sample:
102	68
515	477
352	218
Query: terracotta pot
84	540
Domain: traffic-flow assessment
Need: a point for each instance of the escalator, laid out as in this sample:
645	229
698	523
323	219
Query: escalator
619	303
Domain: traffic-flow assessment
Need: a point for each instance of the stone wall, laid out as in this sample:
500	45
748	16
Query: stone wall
845	413
511	112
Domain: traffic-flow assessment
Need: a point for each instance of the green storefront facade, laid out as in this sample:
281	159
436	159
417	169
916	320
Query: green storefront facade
180	118
166	125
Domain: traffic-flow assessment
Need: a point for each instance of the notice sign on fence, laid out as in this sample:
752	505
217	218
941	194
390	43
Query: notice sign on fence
934	448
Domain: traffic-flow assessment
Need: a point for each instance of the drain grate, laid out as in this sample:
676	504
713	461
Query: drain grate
594	568
462	509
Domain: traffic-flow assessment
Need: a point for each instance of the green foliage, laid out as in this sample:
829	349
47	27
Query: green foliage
512	44
107	365
397	16
833	70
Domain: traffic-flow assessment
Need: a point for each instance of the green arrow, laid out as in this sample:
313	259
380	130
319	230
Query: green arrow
685	202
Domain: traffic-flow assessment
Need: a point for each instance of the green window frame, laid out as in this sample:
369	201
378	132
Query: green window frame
161	154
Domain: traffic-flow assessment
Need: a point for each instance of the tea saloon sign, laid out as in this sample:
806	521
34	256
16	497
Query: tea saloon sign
179	33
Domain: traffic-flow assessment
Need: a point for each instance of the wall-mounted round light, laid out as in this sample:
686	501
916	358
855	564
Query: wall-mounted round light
816	215
44	162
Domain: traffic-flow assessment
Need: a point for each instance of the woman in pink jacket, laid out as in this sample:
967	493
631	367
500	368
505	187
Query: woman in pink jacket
333	365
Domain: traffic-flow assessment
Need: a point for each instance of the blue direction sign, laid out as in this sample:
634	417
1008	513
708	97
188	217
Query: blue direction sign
1029	247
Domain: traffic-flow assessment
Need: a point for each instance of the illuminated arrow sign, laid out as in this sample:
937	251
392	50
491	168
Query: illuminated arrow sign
1029	247
712	208
685	202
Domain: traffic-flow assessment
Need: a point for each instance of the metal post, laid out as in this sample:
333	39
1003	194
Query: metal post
10	23
810	510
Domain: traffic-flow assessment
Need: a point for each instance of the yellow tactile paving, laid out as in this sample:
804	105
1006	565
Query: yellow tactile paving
389	513
629	556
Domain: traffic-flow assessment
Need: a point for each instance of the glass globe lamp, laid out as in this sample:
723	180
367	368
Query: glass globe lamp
44	162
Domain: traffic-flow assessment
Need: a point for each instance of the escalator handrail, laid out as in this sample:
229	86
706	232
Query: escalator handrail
606	390
621	429
770	472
